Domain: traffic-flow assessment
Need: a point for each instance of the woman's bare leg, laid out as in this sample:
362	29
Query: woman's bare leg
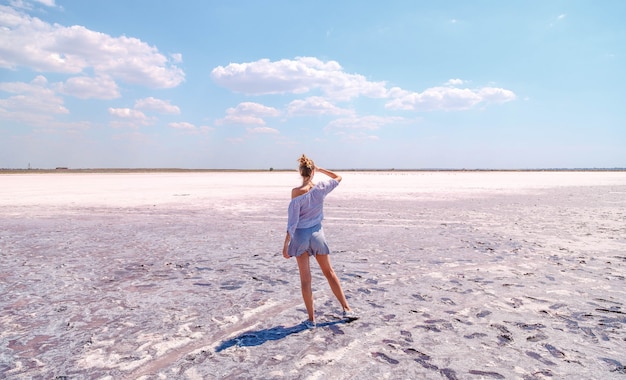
333	280
305	283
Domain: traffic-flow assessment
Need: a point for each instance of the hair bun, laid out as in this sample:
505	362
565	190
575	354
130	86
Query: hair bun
306	162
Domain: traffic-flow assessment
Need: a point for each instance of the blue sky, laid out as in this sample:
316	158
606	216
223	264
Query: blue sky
353	84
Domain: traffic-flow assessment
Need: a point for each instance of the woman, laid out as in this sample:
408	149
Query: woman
305	236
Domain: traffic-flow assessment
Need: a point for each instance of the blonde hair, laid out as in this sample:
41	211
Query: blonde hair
306	166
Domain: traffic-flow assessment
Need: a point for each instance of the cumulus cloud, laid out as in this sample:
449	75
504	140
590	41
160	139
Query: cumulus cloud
315	105
189	127
34	103
35	96
182	125
250	108
128	117
240	119
297	76
262	130
307	74
49	3
455	82
27	41
99	87
446	98
357	137
157	105
248	113
126	113
496	95
23	4
135	117
371	122
177	57
304	76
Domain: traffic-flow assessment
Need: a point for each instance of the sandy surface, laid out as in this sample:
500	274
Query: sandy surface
180	275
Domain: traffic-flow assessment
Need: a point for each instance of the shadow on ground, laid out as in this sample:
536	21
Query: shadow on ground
258	337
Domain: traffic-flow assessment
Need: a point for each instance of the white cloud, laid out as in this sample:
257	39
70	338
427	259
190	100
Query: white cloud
182	125
177	57
240	119
157	105
49	3
126	113
100	87
128	117
357	137
496	95
250	108
455	82
28	5
307	74
34	103
248	113
37	89
262	130
27	41
189	127
298	76
315	105
446	98
371	122
135	117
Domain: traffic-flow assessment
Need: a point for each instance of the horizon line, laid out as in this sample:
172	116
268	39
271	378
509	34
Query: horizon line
139	169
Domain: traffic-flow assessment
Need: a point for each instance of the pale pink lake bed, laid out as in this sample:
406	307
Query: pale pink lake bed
455	275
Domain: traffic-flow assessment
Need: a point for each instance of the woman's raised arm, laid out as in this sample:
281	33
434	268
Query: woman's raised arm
329	173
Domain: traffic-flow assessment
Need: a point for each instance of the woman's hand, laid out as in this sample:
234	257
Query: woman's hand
286	246
285	252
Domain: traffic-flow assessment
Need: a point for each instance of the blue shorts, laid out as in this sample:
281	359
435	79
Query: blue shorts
309	240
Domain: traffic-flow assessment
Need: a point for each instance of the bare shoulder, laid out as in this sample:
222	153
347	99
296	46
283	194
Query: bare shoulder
296	191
